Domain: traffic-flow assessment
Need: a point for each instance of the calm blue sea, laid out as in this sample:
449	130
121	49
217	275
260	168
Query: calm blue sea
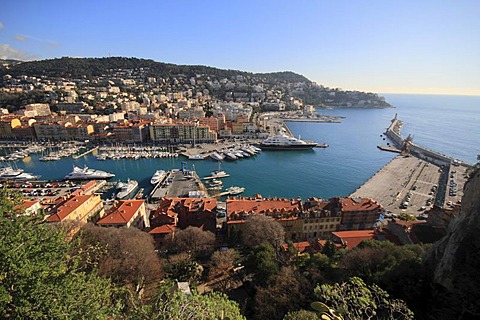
448	124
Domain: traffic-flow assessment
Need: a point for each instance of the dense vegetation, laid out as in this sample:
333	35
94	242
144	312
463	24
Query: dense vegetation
83	271
78	68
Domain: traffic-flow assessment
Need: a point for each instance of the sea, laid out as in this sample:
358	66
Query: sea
444	123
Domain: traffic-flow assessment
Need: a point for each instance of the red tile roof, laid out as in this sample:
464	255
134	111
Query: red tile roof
122	212
359	204
63	210
265	206
353	238
165	229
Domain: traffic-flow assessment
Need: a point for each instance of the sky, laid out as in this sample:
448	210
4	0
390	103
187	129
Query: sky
385	46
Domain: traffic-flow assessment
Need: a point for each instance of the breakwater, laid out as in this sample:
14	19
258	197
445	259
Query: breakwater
406	144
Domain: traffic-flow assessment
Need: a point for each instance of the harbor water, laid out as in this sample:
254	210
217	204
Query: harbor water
448	124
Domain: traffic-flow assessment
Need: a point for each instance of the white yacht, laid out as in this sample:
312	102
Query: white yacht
235	190
217	156
126	188
86	173
230	155
282	141
196	157
8	173
158	176
219	173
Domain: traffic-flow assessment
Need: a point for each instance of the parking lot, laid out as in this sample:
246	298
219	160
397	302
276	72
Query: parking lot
405	185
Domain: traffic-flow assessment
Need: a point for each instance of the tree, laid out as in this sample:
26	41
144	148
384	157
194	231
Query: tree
40	277
182	267
179	306
372	260
356	300
194	240
263	262
261	229
301	315
282	294
222	261
125	255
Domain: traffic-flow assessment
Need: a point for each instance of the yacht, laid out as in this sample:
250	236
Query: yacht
235	190
158	176
215	183
196	157
126	188
219	173
86	173
230	155
282	141
217	156
8	173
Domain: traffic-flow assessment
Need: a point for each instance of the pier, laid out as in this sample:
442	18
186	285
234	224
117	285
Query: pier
394	134
178	184
84	153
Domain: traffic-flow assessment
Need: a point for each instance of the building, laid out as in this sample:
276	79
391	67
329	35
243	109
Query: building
184	132
29	207
82	208
50	131
126	213
37	109
285	211
75	107
162	234
320	218
351	239
359	213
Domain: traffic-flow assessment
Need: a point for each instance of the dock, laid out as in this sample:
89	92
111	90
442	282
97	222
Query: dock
211	178
389	149
178	184
84	153
398	178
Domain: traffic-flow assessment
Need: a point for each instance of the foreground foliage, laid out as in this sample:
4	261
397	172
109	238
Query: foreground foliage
39	278
178	306
356	300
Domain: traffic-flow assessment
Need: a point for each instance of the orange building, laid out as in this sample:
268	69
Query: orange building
81	208
125	213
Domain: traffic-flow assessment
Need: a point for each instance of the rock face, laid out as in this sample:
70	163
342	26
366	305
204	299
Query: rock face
455	260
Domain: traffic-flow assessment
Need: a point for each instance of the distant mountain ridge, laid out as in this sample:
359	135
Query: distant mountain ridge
78	67
290	84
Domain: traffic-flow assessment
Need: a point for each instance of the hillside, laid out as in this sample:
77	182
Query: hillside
287	83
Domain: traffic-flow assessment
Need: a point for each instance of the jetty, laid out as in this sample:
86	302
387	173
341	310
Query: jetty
394	134
389	149
211	178
84	153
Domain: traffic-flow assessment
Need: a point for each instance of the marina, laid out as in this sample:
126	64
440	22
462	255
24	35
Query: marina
351	159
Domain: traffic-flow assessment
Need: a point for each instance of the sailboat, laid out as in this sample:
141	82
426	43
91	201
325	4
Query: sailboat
219	173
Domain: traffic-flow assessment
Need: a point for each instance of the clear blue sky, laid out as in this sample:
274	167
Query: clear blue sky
408	46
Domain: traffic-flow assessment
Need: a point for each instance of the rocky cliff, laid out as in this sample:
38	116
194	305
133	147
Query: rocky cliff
454	261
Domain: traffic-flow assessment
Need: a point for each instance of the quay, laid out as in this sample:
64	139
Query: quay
394	134
179	184
84	153
211	178
389	149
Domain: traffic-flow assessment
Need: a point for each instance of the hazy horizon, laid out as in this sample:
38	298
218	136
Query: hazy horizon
411	47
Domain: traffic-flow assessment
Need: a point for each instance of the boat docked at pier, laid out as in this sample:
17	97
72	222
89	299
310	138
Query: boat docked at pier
158	176
219	173
8	173
86	173
217	156
282	141
235	190
125	189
